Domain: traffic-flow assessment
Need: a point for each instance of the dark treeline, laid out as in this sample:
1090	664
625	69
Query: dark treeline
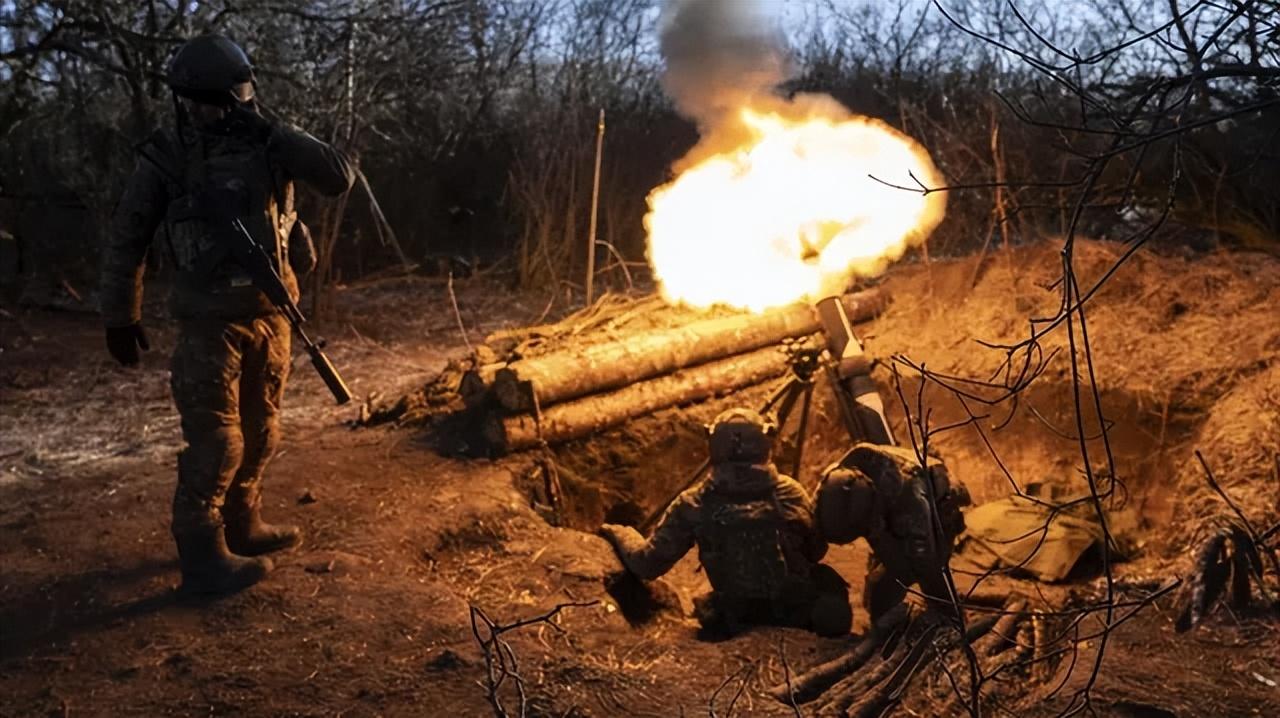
475	120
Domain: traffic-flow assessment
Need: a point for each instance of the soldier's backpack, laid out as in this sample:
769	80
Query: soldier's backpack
740	544
873	480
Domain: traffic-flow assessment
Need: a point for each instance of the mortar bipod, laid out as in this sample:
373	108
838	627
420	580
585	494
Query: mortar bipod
849	372
804	360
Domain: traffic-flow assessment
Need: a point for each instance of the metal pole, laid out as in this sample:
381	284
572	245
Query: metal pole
595	203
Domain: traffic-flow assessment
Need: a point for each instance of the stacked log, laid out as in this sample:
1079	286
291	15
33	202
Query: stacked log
576	419
566	395
553	378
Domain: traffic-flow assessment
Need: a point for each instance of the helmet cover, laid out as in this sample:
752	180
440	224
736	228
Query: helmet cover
740	436
213	70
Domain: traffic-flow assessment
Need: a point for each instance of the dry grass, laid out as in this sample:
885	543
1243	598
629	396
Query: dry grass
1194	341
1240	440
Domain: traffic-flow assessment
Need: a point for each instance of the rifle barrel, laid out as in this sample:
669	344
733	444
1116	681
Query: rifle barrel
329	374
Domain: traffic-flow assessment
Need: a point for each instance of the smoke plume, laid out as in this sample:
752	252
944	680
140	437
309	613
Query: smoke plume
721	55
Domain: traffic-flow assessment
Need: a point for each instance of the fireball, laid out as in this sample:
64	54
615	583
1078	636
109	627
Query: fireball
793	206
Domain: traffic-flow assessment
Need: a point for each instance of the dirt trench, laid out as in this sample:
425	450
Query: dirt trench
370	616
1172	343
1163	394
625	475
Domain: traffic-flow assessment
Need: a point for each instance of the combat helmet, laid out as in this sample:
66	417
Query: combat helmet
740	436
213	70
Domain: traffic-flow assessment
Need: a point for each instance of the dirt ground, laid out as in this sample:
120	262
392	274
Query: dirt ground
372	615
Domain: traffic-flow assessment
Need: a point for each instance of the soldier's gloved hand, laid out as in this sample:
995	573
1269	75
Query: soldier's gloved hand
252	122
124	343
625	540
613	534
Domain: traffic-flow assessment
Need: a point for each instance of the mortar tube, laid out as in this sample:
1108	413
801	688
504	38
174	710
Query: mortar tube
856	393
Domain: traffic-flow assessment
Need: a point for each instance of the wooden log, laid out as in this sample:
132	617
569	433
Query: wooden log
592	414
814	682
1003	632
864	696
561	376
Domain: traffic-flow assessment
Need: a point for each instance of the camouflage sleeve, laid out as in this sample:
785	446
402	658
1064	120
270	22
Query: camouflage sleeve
133	224
797	507
670	541
305	158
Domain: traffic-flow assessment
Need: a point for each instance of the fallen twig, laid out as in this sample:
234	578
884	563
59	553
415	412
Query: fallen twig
786	677
500	660
457	314
745	673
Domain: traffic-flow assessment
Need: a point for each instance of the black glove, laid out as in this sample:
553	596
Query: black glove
124	342
246	119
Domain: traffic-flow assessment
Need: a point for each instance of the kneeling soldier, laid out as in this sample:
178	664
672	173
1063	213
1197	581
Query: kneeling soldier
755	535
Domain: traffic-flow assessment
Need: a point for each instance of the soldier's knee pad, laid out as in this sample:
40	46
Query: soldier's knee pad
215	454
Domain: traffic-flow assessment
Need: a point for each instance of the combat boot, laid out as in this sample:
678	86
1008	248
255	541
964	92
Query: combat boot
209	569
248	534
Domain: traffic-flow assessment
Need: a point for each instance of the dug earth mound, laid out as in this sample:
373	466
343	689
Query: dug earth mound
415	564
1183	351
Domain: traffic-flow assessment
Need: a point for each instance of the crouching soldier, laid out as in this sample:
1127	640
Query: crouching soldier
755	535
881	493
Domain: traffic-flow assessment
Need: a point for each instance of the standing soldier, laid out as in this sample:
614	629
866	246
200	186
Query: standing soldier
881	493
232	355
755	535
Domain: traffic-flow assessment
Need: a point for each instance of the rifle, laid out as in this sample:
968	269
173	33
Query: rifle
219	208
251	256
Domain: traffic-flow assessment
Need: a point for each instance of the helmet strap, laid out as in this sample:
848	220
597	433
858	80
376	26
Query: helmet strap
180	119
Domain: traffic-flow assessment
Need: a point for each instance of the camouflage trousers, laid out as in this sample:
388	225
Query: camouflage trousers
228	380
819	602
891	573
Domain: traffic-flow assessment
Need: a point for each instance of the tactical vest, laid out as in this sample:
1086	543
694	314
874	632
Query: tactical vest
740	543
209	282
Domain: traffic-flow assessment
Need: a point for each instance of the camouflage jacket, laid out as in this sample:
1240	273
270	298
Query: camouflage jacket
161	191
720	516
881	492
